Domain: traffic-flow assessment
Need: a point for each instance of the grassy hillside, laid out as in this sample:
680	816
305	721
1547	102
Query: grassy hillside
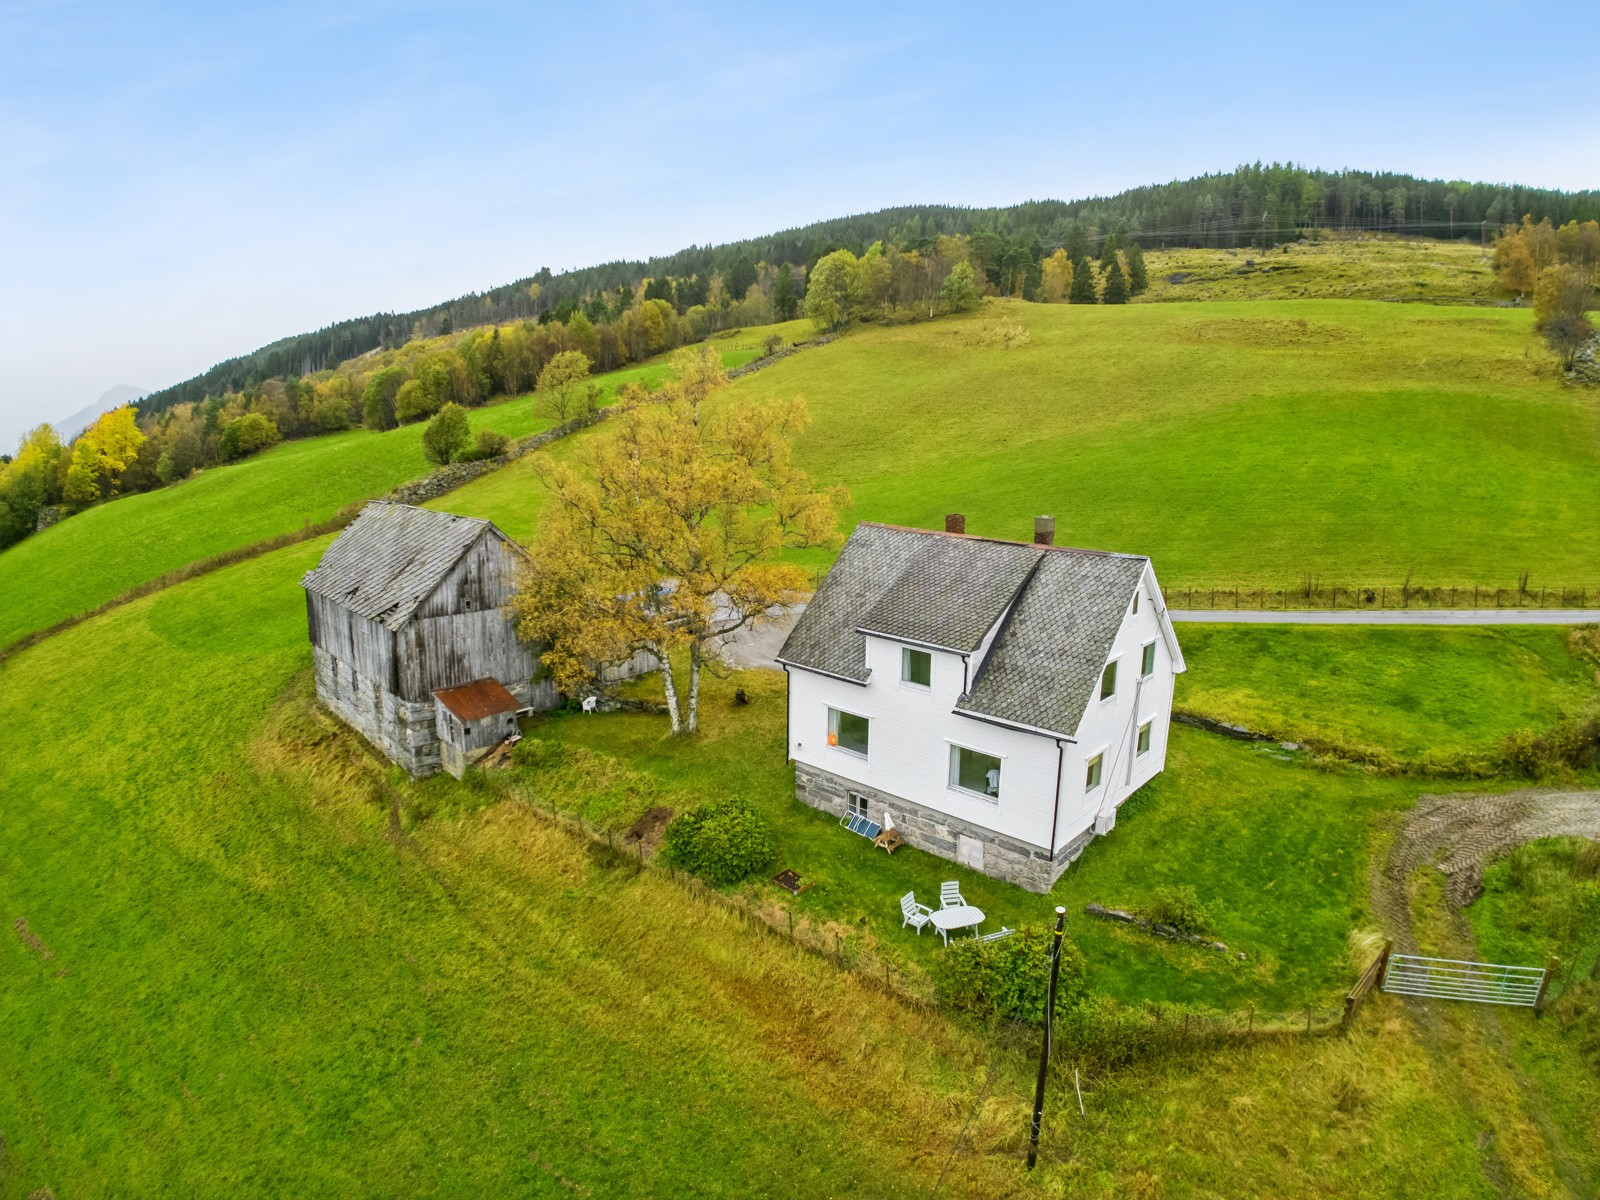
1251	444
245	981
66	569
1370	268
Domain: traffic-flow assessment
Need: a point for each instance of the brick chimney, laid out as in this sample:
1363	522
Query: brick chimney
955	523
1044	531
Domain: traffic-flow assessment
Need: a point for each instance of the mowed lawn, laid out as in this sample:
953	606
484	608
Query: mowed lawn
226	973
1249	444
1405	689
1276	849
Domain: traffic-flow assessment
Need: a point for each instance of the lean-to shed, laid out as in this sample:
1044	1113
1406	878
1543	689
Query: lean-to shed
405	604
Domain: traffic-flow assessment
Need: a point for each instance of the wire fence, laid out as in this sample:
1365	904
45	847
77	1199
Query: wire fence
1315	595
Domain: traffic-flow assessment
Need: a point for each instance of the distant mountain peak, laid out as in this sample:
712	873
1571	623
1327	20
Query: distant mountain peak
113	397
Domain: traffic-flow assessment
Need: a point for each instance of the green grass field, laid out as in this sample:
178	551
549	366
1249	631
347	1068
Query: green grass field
1249	443
66	570
1408	690
244	982
1334	268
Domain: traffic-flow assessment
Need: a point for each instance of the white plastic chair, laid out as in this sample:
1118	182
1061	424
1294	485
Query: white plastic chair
950	895
916	915
590	703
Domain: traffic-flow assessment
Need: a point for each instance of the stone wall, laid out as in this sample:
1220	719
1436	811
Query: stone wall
448	478
1030	867
405	731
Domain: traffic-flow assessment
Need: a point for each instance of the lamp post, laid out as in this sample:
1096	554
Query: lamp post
1049	1025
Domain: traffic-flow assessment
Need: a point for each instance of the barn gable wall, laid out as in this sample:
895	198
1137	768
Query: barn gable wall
484	578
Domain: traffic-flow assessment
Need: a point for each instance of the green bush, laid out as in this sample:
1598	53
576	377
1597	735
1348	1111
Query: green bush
488	444
247	435
1009	977
721	841
446	435
1178	907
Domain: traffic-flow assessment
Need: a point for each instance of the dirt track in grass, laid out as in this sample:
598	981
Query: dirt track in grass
1461	835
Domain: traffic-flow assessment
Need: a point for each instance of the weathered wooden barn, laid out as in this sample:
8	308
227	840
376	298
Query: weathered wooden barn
406	621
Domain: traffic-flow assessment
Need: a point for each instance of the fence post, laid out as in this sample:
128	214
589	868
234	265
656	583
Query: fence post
1544	985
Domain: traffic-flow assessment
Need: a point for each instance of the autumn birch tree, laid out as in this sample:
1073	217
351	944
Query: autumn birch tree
664	538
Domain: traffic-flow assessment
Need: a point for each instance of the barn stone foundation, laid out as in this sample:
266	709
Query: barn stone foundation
1029	867
406	731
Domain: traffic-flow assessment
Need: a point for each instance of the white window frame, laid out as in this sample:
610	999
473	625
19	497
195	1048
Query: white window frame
851	798
954	773
1147	651
1136	602
1108	697
905	661
1098	757
832	738
1147	735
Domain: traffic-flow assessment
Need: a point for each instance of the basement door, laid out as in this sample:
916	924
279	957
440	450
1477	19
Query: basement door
969	851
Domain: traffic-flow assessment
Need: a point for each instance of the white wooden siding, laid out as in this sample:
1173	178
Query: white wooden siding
912	729
909	743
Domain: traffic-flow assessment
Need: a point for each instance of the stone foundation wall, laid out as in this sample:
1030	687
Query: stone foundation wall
1030	867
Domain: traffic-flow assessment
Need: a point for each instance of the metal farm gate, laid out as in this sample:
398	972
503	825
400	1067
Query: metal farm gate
1453	979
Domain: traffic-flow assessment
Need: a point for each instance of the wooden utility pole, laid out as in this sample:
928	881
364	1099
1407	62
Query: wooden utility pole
1049	1026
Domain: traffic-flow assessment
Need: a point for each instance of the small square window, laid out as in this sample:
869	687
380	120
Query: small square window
972	771
916	666
1147	663
1091	779
856	803
848	731
1108	681
1144	738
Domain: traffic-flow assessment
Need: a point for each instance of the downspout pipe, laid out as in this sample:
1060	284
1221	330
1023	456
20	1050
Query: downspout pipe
1055	817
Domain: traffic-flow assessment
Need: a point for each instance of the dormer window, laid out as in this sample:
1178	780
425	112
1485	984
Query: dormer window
916	667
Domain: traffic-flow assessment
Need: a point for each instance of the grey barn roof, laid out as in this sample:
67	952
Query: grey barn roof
391	557
1061	609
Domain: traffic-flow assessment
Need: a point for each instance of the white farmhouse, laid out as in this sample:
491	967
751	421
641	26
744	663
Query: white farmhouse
999	699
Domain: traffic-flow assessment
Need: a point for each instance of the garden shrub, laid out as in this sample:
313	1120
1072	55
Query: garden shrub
1178	907
488	444
721	841
1009	977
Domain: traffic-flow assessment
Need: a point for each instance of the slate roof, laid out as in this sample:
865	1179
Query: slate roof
391	557
478	699
1061	609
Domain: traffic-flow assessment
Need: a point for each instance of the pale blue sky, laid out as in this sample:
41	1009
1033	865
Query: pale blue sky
181	183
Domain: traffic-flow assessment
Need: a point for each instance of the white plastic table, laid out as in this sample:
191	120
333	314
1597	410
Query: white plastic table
962	916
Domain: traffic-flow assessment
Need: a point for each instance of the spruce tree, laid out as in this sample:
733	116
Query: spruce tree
1077	243
1116	282
1082	283
1138	281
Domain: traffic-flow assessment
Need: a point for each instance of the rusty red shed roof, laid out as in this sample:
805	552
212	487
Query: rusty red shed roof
478	699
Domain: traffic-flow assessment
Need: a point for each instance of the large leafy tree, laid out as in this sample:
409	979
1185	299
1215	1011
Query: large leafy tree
832	289
562	385
665	537
446	435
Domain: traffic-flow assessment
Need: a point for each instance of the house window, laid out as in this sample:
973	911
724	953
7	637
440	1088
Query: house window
856	803
1108	680
916	666
972	771
1147	664
1136	603
847	731
1144	738
1091	779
